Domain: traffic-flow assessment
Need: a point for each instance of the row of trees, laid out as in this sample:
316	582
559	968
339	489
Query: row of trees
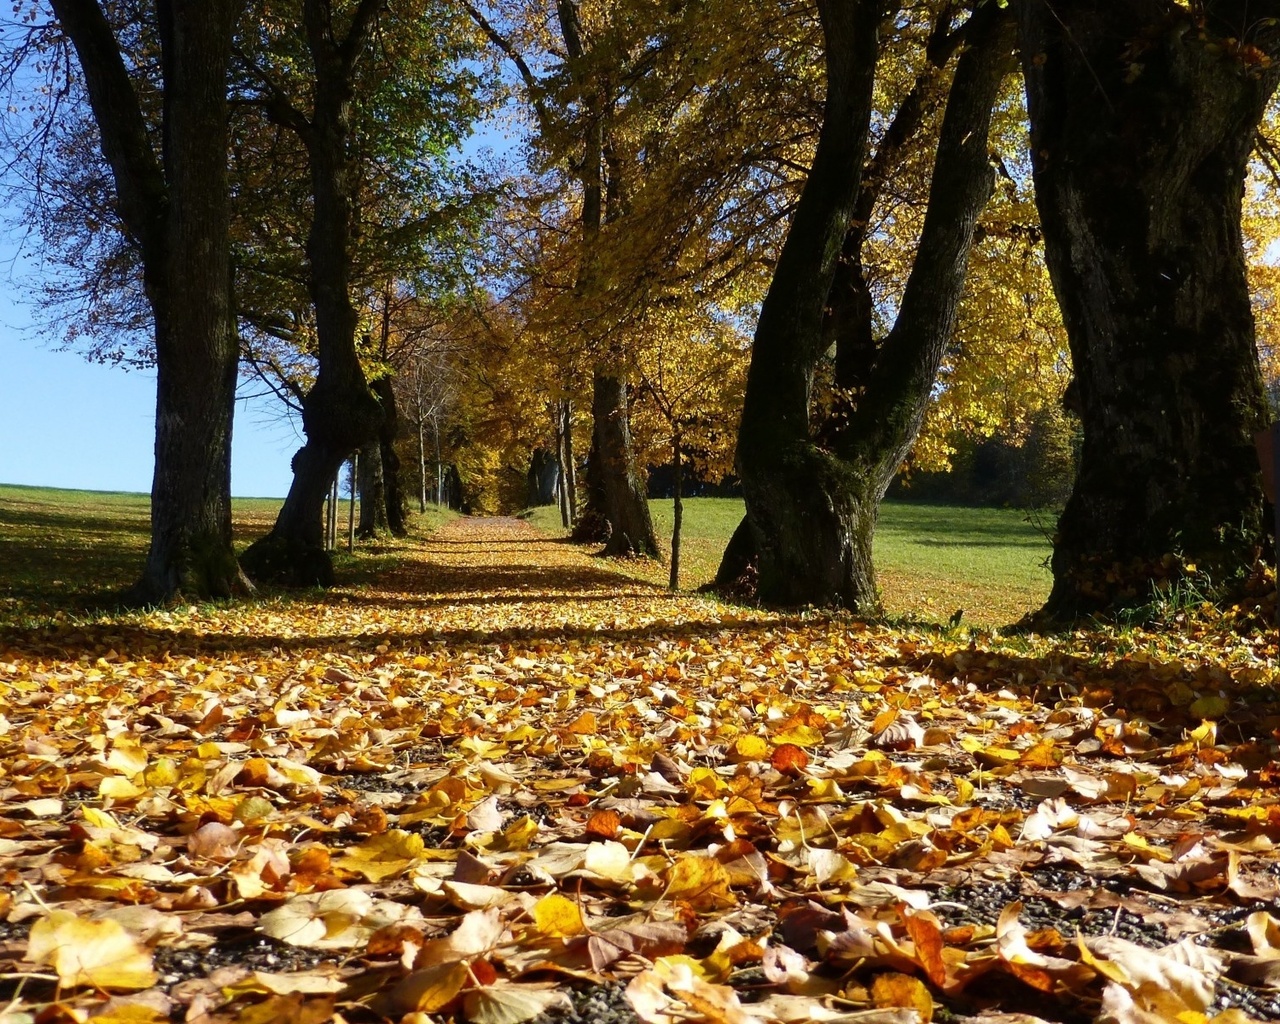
826	219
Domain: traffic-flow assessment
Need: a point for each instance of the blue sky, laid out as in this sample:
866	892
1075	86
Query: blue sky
65	422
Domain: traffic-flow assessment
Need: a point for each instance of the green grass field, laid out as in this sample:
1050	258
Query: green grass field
930	559
65	549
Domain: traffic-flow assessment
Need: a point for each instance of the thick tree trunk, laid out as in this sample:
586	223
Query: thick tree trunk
803	538
625	503
178	212
618	483
1142	123
373	494
392	485
339	413
812	507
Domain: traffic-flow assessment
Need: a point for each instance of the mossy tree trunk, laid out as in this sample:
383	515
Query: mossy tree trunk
1142	122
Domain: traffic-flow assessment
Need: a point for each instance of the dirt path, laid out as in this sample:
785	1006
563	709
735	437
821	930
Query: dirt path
501	574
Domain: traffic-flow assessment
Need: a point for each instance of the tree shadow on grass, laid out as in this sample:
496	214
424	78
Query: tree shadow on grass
73	641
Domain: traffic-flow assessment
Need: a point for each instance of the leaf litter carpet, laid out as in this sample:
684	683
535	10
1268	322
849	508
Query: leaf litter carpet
506	783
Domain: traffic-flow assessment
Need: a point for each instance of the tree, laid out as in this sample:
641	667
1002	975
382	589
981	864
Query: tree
174	205
339	412
1143	115
370	92
692	376
812	496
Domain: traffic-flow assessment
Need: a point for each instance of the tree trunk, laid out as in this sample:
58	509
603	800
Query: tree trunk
422	467
625	503
570	465
677	511
1142	123
373	494
178	212
803	525
393	501
562	479
339	413
812	507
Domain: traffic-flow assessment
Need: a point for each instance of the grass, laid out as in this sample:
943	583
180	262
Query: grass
67	549
930	559
62	549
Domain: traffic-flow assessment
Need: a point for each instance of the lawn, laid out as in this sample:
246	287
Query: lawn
930	559
61	548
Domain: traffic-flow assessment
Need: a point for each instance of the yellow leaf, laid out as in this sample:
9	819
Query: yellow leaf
705	784
902	990
558	916
520	833
750	748
383	856
700	881
87	952
800	736
1210	706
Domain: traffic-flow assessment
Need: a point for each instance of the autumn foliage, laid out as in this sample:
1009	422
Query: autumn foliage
507	781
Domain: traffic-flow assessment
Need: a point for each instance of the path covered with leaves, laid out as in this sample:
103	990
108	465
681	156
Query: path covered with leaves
507	783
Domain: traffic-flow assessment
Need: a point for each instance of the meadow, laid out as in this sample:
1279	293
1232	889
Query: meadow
931	560
60	547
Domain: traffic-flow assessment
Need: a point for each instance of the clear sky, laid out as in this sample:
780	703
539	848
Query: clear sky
65	422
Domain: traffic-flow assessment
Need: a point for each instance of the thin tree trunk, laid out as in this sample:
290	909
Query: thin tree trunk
677	510
422	467
562	481
1139	159
570	465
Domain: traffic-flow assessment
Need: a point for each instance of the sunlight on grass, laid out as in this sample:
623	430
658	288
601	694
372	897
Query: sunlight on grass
930	559
60	548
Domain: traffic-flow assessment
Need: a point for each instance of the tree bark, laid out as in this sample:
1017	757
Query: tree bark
392	484
177	210
1142	123
339	413
812	505
677	510
373	496
625	503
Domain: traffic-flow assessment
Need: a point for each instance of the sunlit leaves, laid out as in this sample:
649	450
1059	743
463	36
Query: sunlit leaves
465	793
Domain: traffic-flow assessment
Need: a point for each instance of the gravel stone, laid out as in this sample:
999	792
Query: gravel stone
257	952
603	1004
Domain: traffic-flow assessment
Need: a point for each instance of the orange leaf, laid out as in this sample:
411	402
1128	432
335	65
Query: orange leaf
584	724
928	942
604	824
789	759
